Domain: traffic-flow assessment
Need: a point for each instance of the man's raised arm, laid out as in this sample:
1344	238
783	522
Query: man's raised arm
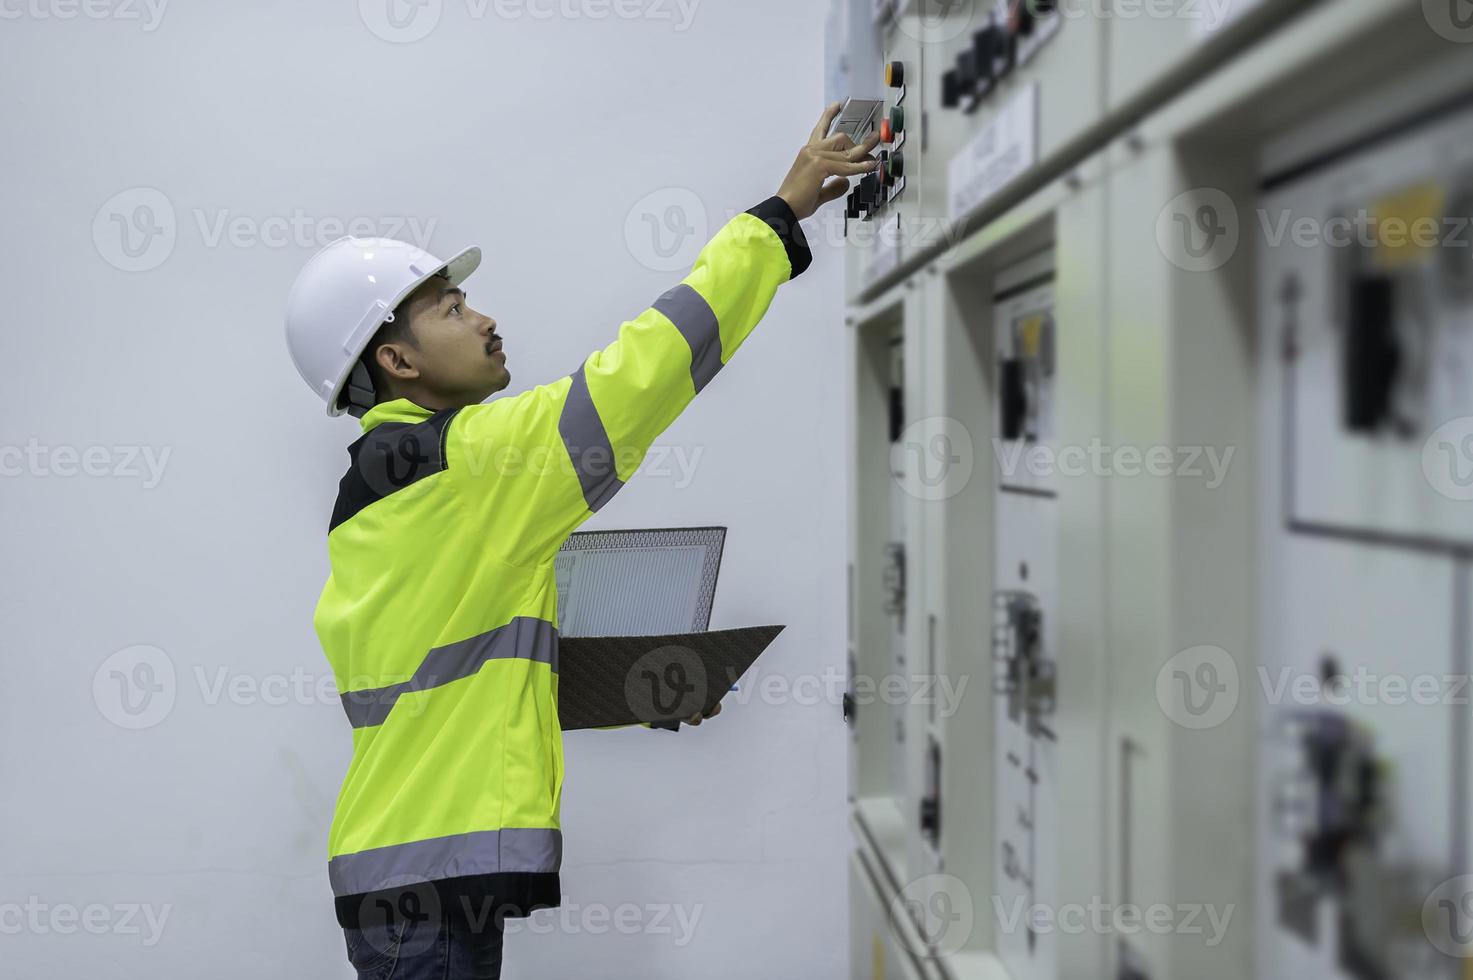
541	463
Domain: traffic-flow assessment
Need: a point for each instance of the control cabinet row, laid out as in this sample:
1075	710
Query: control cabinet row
1161	545
973	99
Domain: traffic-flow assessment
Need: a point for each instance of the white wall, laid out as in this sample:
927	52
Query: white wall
537	139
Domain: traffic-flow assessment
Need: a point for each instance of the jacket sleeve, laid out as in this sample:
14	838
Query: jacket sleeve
537	465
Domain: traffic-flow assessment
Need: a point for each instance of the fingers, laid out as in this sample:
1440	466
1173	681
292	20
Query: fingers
825	121
841	142
869	143
848	156
833	190
839	164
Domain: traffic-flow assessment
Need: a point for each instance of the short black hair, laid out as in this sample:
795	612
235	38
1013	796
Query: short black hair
395	330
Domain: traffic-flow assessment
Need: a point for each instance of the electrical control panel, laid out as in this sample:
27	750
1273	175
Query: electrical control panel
888	117
1366	341
1004	38
1025	339
1361	821
888	777
882	208
894	560
1199	518
1004	97
975	95
1371	296
1024	623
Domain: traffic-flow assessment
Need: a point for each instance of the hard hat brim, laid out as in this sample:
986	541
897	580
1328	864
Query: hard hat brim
458	269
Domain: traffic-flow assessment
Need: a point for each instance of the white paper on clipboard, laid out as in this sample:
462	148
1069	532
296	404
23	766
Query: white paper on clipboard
638	583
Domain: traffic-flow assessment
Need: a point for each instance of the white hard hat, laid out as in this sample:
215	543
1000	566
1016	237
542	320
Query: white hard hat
342	296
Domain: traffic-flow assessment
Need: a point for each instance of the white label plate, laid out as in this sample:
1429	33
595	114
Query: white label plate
884	257
996	156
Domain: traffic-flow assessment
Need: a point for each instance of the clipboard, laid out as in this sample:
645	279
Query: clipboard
608	681
633	648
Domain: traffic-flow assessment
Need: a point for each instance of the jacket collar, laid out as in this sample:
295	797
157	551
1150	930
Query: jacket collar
397	410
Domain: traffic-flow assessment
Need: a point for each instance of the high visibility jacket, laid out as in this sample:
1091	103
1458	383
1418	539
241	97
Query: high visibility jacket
440	617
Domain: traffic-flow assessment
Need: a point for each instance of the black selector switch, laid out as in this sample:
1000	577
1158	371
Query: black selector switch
987	48
1371	354
951	89
869	192
1013	391
930	815
966	71
931	819
1022	18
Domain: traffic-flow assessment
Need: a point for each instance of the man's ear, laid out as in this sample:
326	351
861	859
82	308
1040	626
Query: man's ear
398	365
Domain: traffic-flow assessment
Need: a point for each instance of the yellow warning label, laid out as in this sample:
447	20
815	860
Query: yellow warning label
1407	224
1030	335
878	971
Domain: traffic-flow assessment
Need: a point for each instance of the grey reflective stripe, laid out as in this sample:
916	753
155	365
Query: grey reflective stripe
588	444
533	849
692	316
525	637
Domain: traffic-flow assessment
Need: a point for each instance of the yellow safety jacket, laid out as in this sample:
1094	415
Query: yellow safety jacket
439	618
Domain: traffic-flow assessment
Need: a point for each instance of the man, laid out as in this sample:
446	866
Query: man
439	617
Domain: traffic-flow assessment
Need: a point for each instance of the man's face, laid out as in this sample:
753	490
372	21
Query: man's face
458	360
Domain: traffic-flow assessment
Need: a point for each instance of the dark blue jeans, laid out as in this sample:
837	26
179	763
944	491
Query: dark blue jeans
440	948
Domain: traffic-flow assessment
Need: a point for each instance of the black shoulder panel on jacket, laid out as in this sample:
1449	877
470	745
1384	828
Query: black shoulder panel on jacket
388	458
